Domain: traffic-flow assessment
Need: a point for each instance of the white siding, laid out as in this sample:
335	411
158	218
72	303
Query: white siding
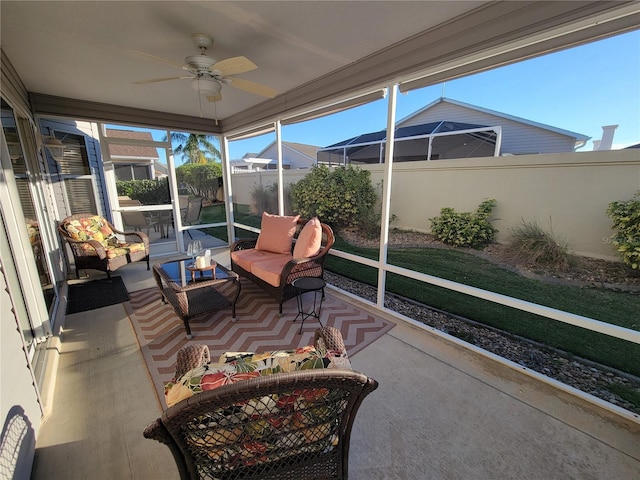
20	411
290	157
517	137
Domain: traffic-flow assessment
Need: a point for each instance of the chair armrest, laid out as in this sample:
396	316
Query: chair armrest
244	244
330	338
136	237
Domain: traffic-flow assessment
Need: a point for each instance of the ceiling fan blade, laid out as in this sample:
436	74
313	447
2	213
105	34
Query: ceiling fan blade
148	56
233	66
155	80
214	98
253	87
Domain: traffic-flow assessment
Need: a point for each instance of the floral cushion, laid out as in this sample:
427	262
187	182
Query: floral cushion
33	231
124	248
234	367
267	428
95	228
91	228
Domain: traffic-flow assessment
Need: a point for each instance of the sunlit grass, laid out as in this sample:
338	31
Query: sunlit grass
618	308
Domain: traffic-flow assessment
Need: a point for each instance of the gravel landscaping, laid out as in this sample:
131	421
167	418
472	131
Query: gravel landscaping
581	374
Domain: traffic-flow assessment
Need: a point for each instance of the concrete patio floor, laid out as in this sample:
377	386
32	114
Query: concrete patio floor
442	411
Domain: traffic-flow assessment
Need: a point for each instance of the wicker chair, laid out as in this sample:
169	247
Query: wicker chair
305	267
283	426
96	254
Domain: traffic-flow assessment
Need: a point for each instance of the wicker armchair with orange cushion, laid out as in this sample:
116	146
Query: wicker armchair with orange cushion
97	245
287	248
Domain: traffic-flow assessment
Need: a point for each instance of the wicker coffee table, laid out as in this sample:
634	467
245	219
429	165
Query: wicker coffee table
193	294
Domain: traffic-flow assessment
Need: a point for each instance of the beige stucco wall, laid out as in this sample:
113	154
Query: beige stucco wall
567	193
243	184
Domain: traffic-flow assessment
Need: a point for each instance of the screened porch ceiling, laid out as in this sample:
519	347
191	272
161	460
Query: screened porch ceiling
73	57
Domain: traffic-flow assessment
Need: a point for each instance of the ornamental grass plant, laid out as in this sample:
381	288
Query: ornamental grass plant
532	245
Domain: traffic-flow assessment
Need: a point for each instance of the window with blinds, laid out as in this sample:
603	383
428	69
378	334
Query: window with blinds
76	173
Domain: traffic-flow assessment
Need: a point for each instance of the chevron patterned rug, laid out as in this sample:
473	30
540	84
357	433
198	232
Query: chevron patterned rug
259	328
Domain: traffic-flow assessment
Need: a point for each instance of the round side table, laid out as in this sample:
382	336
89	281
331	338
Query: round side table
304	285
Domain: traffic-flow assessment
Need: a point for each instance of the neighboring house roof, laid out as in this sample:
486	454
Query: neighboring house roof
577	136
518	136
299	148
308	150
637	145
131	151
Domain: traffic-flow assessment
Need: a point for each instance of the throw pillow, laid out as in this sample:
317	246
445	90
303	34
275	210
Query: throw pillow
276	233
309	240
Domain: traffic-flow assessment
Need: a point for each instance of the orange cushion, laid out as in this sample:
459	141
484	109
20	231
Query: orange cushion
309	240
246	258
271	270
276	233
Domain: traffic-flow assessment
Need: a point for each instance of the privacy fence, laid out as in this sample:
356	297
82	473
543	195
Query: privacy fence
564	193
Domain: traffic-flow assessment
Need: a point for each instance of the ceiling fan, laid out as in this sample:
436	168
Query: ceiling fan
207	75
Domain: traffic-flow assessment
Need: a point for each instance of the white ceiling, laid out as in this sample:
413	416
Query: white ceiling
78	49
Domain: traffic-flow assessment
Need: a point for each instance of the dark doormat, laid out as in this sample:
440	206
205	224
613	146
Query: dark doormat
96	294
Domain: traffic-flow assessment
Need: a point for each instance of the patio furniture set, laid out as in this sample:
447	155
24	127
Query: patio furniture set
270	415
286	261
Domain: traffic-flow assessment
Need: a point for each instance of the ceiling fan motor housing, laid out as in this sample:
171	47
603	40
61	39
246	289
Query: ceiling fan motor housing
199	63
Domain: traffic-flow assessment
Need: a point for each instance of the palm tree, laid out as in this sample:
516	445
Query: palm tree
195	148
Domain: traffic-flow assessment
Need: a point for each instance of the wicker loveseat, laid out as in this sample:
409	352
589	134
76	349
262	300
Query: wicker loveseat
96	244
276	415
275	265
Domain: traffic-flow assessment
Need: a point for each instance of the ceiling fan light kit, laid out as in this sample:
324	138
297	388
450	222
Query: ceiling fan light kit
206	85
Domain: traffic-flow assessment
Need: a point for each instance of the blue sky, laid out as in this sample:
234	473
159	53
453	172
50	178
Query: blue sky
580	89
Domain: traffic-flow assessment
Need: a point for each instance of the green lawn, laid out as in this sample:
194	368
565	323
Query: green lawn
608	306
617	308
216	213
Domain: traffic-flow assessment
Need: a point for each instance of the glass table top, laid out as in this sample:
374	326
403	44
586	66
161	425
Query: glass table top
183	272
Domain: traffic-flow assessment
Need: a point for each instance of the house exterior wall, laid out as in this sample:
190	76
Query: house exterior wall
20	411
291	156
567	193
517	138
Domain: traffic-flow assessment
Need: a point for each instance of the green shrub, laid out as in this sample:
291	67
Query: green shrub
465	229
265	199
149	192
340	197
626	223
533	245
369	226
201	179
